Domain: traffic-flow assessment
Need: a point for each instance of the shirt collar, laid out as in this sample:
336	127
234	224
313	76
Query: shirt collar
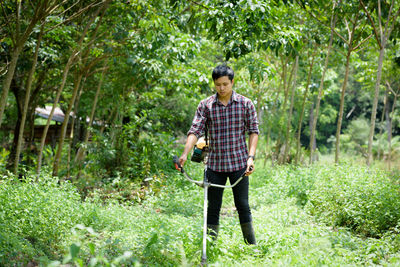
234	97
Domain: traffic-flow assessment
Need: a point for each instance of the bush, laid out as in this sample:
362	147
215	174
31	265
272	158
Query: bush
35	216
359	198
14	248
286	181
137	155
83	252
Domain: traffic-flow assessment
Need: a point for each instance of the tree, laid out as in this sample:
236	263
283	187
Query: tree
91	119
389	117
305	96
325	68
289	119
381	36
75	52
84	71
352	23
26	102
18	29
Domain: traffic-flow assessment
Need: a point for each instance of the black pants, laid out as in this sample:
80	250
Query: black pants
240	195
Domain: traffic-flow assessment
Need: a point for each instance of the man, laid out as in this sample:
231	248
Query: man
227	116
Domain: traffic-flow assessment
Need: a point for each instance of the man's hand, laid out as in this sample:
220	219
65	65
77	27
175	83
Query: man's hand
182	160
190	142
250	166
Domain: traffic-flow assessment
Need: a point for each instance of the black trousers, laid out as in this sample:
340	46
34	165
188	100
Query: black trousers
240	195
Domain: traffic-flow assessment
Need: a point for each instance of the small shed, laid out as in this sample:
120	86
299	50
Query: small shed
54	131
58	115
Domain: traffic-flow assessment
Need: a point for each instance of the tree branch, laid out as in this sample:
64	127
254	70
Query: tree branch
37	16
76	14
347	27
17	25
394	21
362	42
314	17
200	4
380	19
97	70
341	37
372	24
51	8
89	66
7	21
390	88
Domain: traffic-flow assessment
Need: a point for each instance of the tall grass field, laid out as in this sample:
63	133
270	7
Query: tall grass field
324	215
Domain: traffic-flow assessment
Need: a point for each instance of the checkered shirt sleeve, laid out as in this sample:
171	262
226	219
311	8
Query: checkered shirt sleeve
199	121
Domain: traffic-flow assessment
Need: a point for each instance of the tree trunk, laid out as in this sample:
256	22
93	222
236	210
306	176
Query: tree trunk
268	138
302	108
321	88
26	101
7	80
289	121
82	150
385	112
339	123
350	49
43	139
375	103
65	74
65	124
19	39
19	97
72	134
390	132
116	127
381	39
96	97
286	83
388	125
109	120
74	94
313	142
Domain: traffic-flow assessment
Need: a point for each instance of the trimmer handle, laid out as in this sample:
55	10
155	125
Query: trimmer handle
202	183
177	164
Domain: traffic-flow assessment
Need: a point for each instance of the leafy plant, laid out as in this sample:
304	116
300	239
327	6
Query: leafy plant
3	156
361	199
27	220
78	257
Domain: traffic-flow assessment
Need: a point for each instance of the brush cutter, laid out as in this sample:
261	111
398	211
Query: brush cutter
205	184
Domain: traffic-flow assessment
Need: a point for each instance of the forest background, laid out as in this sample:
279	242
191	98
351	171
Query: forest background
128	76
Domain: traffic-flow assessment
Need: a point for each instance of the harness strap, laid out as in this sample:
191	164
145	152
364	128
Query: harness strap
206	134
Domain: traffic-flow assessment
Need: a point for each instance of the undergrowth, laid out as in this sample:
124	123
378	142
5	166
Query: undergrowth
322	215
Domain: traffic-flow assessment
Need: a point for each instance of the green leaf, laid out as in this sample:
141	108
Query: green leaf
74	250
92	248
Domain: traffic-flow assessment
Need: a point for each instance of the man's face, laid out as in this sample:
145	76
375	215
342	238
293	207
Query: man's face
223	86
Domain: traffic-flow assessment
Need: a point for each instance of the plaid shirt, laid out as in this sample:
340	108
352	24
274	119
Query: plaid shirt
226	127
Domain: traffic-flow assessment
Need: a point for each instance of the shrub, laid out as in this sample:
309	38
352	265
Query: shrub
282	182
14	247
83	252
3	159
359	198
35	216
137	154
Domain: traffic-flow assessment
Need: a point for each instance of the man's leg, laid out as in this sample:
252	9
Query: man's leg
214	201
241	197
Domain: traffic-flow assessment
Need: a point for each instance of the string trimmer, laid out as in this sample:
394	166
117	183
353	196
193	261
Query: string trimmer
205	184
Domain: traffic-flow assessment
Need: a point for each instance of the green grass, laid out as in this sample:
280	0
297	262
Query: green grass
47	223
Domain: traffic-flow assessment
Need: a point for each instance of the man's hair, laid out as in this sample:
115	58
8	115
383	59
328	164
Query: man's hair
222	70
